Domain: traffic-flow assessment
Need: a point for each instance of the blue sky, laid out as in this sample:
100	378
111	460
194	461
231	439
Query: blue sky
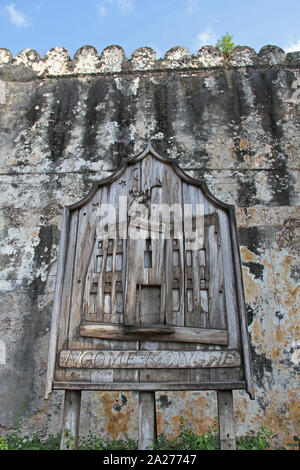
160	24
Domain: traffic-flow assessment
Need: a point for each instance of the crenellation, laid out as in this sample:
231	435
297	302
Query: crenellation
176	58
57	62
5	56
178	53
112	59
210	56
271	55
86	60
27	57
243	56
143	58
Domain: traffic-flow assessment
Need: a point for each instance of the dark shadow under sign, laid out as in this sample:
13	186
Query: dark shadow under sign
149	292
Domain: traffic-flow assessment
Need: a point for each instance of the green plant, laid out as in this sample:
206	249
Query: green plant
69	440
189	440
259	441
37	441
92	442
226	45
3	444
16	440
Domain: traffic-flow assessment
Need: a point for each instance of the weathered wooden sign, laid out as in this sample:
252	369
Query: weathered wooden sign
149	292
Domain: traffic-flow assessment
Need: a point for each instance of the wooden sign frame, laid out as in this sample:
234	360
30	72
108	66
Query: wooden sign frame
224	352
150	313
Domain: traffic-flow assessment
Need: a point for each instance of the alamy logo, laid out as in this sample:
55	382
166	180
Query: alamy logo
137	220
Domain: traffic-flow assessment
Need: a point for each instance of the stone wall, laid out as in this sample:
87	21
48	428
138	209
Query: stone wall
66	123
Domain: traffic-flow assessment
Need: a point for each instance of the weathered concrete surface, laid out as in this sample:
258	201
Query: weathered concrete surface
65	123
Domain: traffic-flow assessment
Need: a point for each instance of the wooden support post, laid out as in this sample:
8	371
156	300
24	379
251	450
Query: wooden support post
226	420
71	416
147	420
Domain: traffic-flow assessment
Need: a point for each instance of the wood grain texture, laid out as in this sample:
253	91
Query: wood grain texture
153	291
56	315
71	417
156	333
226	420
150	386
148	359
147	432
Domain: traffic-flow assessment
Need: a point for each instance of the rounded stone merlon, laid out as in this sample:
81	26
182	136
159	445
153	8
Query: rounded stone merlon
177	57
57	61
143	58
210	56
177	53
27	57
86	60
242	56
30	58
271	55
112	59
5	56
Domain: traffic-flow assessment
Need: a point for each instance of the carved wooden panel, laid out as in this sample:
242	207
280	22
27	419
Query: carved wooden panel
149	290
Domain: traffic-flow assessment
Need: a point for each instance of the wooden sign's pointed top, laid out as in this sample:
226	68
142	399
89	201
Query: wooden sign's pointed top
149	149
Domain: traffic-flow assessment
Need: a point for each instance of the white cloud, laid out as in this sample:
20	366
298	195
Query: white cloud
125	6
16	17
293	47
205	38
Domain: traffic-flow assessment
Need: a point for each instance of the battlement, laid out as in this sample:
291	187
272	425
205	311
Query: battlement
57	61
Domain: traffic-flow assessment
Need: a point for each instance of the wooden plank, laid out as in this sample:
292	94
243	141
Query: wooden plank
229	281
226	420
195	315
67	281
165	375
217	314
181	334
125	375
114	313
147	420
225	374
92	359
135	248
85	243
57	303
154	386
200	375
71	416
78	375
101	301
241	303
